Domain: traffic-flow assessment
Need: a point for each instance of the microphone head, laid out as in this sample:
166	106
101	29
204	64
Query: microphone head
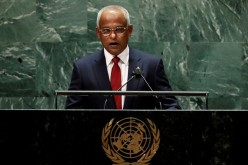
137	72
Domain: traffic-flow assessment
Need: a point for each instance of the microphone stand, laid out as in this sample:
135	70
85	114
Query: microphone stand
105	103
138	71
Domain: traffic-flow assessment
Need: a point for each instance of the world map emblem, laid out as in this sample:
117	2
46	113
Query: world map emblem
130	141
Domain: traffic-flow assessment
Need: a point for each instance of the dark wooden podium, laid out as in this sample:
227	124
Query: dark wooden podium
52	137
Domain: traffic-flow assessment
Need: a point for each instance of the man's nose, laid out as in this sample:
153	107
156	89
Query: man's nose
112	34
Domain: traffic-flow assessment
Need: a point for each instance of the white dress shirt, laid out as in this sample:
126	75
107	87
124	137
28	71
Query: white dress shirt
123	64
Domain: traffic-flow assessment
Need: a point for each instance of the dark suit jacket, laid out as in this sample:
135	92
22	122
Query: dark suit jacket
90	73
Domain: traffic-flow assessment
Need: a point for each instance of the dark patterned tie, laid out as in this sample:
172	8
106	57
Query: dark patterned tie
116	81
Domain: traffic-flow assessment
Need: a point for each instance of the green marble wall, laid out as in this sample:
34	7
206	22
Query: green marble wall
203	44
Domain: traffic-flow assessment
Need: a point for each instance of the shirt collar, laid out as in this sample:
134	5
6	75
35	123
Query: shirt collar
124	56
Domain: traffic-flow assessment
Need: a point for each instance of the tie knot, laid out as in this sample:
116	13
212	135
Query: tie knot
116	60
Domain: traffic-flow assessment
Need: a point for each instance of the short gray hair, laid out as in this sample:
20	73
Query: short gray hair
122	9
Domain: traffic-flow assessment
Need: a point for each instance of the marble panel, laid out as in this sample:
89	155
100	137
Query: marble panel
215	21
18	21
54	65
244	75
244	18
216	67
62	20
17	103
17	69
23	103
165	21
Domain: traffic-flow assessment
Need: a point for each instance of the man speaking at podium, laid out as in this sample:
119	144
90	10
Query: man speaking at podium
118	67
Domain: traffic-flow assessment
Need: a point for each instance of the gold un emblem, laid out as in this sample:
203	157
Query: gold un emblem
130	141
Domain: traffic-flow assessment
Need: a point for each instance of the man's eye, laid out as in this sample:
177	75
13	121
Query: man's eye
106	30
120	30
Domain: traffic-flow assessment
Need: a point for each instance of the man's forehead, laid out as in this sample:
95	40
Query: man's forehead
112	15
113	11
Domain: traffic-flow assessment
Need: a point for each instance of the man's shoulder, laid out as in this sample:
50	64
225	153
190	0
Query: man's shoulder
144	55
89	57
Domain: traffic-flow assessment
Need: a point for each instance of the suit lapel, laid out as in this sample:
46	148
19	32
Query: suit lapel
134	61
101	72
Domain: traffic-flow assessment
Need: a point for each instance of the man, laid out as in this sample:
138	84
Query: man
100	72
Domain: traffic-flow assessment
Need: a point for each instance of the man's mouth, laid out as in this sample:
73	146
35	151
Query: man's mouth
113	43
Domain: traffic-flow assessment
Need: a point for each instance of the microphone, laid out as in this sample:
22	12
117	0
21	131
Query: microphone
135	74
138	71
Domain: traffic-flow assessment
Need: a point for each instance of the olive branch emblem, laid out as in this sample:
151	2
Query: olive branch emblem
109	152
117	159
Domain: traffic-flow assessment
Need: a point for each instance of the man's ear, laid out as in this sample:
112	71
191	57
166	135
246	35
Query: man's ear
98	33
130	30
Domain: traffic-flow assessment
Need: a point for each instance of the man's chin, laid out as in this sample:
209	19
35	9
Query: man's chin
114	51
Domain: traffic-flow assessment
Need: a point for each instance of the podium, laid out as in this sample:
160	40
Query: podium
77	137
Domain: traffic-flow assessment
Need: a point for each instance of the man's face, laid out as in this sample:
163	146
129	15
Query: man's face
115	42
